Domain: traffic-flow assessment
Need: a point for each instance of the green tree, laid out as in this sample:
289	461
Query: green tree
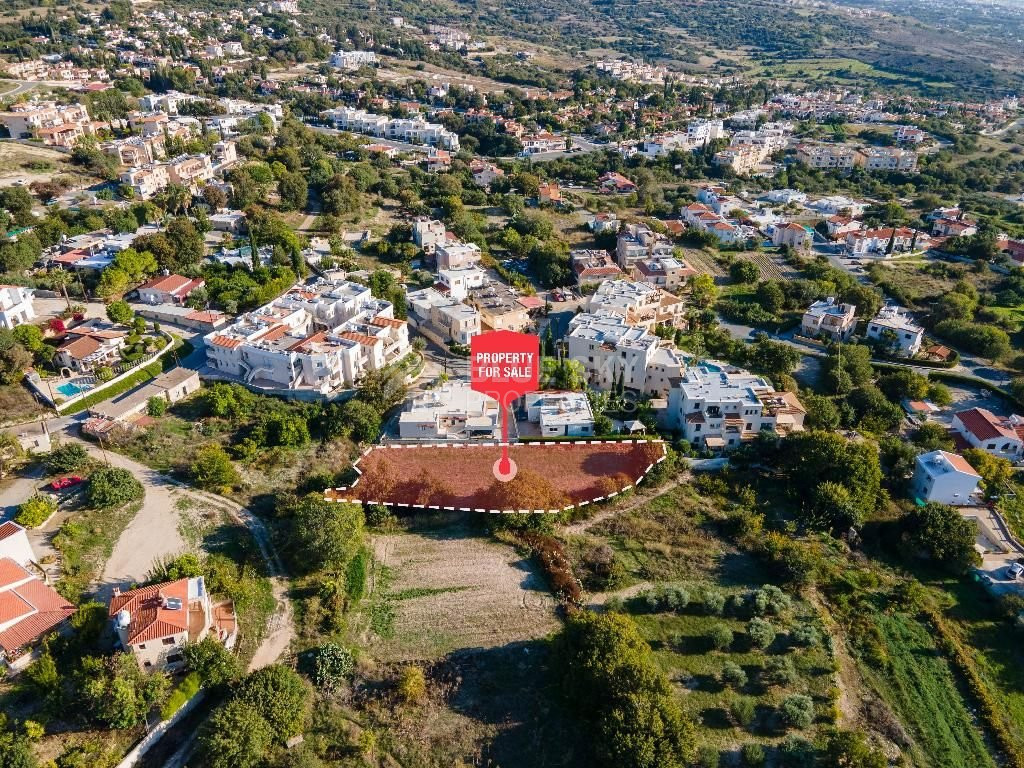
235	736
115	691
212	469
280	696
703	291
69	457
743	272
294	191
120	312
943	535
156	406
850	749
112	487
214	663
996	472
326	535
609	674
797	711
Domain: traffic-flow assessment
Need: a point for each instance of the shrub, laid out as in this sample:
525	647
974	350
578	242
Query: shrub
280	697
708	757
806	635
66	458
378	516
742	710
34	511
332	665
212	662
720	637
156	407
769	600
795	752
556	565
712	601
778	670
412	685
753	755
212	469
733	675
183	691
797	711
113	487
761	633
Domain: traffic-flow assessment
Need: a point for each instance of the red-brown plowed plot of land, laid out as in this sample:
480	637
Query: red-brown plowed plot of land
550	476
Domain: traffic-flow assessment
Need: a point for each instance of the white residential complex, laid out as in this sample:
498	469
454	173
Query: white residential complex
640	304
412	130
894	326
945	478
718	407
638	242
560	414
322	337
610	349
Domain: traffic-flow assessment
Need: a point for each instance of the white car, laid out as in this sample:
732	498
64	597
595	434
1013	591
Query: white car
1014	570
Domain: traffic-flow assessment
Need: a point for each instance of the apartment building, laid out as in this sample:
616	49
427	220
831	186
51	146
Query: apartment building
321	336
15	306
190	170
413	130
500	308
638	242
147	180
353	59
889	159
894	326
827	318
593	267
456	254
719	407
828	156
610	349
700	132
154	623
560	414
666	272
454	411
428	233
135	150
944	478
60	125
742	159
884	241
641	304
441	317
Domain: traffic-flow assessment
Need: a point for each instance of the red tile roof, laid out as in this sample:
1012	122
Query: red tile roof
225	341
150	619
9	529
36	607
983	424
81	347
362	338
11	572
13	606
386	322
959	463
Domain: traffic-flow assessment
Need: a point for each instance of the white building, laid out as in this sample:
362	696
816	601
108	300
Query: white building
640	304
638	242
442	318
718	407
610	349
353	59
980	428
946	478
560	414
826	318
14	544
412	130
428	233
321	336
894	326
453	255
15	306
454	411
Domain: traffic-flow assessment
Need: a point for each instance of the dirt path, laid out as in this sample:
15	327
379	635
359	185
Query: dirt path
638	500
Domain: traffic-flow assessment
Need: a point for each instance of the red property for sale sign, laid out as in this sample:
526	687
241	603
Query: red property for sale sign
505	366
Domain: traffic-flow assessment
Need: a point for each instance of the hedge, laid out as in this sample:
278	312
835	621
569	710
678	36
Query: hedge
185	690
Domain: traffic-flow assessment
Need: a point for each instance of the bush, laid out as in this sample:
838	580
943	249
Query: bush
720	637
212	662
113	487
753	755
412	685
761	633
66	458
212	469
280	697
777	671
156	407
34	511
732	675
711	601
742	710
805	635
797	711
769	600
795	752
708	757
183	691
332	665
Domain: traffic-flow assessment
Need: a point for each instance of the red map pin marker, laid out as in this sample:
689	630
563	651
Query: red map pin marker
505	366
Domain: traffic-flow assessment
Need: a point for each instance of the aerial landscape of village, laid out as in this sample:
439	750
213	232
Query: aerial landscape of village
511	384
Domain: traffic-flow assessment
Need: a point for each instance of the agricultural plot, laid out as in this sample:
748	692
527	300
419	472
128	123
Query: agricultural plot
551	476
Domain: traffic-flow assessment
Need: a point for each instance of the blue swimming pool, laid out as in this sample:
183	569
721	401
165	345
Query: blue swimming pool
712	367
70	389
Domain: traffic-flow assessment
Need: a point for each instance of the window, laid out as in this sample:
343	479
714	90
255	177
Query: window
697	428
142	647
168	641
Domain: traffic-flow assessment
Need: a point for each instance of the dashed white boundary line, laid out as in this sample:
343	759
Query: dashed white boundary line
403	505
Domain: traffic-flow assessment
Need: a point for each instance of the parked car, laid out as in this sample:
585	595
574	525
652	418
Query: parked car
63	483
1014	570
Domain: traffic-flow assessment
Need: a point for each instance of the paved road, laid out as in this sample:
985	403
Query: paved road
20	87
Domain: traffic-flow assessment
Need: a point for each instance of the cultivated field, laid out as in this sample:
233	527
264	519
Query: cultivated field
442	588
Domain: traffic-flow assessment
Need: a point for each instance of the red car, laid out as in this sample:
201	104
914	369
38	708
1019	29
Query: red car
66	482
